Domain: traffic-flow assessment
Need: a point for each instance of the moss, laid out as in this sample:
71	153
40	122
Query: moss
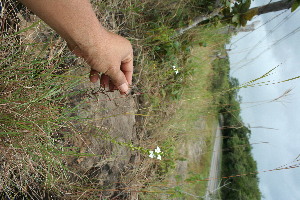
250	14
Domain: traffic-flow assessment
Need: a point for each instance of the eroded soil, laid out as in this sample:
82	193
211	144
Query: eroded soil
106	130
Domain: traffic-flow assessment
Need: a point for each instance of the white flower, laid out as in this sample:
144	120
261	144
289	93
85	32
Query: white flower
151	154
159	157
175	69
156	153
157	150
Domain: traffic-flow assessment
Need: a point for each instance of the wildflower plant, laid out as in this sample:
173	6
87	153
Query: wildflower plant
175	69
157	153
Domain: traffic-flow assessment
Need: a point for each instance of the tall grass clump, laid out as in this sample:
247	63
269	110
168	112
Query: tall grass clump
33	65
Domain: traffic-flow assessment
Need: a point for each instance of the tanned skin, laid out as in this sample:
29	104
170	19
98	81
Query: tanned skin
104	51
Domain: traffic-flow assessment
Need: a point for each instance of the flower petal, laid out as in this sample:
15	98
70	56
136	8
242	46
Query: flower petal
157	150
151	154
159	157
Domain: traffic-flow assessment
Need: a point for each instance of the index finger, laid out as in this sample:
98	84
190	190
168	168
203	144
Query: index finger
127	69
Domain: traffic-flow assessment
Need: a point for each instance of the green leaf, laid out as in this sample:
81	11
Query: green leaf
176	45
227	3
236	19
235	10
245	6
295	5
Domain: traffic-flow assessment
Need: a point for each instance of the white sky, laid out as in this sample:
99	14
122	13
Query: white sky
283	144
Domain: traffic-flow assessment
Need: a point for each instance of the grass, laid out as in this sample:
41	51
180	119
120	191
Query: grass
189	131
39	135
32	97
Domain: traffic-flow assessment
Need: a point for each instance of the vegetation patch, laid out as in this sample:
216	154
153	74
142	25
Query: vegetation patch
62	137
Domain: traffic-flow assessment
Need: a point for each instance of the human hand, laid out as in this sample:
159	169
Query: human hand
104	51
112	55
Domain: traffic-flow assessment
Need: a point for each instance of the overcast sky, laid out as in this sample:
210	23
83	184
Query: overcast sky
277	43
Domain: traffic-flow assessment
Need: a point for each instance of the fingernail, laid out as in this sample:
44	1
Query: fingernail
123	88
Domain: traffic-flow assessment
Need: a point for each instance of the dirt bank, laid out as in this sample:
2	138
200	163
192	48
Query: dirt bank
108	118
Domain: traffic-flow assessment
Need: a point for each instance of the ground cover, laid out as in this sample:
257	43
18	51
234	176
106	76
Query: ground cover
62	137
190	131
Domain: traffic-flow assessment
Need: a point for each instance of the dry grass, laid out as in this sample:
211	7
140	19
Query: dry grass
39	136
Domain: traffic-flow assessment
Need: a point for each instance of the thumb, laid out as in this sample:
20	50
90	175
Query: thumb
118	78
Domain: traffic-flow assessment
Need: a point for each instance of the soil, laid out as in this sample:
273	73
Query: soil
108	117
